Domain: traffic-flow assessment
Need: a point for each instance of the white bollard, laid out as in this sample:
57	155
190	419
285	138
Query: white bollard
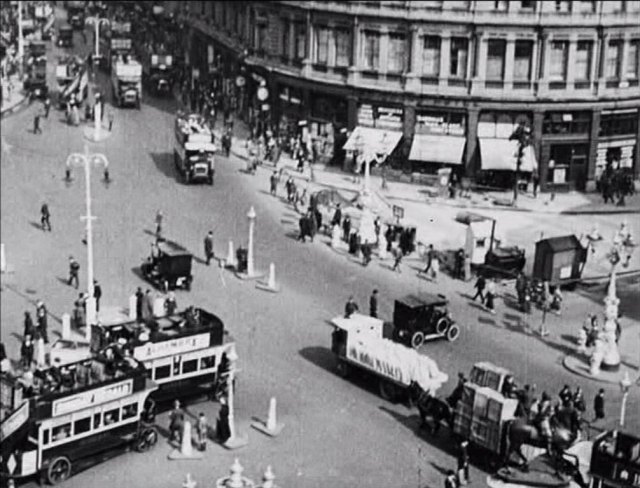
271	417
271	427
41	360
158	307
335	236
66	326
3	259
231	256
186	448
270	284
133	305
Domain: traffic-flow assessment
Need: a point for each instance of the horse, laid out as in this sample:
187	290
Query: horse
432	407
520	432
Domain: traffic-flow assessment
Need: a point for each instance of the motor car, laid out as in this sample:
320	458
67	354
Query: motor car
170	269
421	317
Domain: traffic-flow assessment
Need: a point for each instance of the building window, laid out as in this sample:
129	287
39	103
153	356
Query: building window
563	6
284	46
502	5
587	7
523	61
301	41
322	45
495	59
261	38
397	53
371	49
614	53
458	57
583	60
528	4
566	123
619	124
343	47
431	56
558	60
633	60
620	6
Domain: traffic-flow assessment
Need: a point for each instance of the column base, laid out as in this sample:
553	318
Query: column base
236	442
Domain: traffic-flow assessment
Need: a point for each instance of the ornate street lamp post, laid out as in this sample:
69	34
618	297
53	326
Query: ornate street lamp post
97	22
625	385
86	160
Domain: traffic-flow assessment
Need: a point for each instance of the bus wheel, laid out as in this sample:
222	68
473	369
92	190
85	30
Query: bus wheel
342	368
388	390
146	440
59	470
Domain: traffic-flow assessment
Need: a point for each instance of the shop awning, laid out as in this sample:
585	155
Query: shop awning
434	148
501	155
372	141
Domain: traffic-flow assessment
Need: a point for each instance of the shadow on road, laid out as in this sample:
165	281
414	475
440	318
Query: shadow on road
164	162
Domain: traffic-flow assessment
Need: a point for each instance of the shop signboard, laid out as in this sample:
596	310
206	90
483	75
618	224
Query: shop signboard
432	123
626	152
380	117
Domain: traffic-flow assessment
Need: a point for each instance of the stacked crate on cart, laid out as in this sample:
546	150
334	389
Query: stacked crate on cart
489	375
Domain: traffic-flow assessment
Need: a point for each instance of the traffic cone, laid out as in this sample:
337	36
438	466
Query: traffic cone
230	262
270	284
186	449
189	482
271	427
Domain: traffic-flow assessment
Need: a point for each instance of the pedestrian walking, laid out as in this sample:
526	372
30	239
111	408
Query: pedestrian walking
45	217
223	429
273	183
208	247
26	352
41	318
176	421
74	267
545	305
480	285
598	405
79	307
170	304
430	255
28	325
350	307
139	301
463	463
47	107
159	220
337	216
111	116
202	431
36	124
397	255
366	252
373	304
97	294
459	264
490	296
147	306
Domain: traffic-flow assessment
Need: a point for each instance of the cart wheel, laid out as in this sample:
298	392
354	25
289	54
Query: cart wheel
388	390
146	440
342	368
442	325
417	339
453	333
59	470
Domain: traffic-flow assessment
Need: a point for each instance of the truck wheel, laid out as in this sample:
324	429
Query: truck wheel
342	368
453	333
388	391
59	470
442	325
417	339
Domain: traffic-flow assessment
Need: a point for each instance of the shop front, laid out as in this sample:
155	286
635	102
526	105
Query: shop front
498	155
328	115
438	142
617	141
565	150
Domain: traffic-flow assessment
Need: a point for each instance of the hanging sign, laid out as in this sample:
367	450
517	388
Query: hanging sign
263	93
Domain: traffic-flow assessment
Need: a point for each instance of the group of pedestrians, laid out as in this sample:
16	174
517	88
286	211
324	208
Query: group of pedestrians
33	332
487	292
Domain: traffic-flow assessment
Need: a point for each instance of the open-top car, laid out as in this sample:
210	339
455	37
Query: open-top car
170	268
421	317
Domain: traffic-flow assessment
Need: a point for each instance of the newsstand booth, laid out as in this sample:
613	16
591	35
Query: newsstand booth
559	259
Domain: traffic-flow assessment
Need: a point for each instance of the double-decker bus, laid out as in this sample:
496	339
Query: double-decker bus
184	353
59	420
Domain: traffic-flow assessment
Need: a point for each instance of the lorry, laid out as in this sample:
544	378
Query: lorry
36	69
363	343
126	82
75	14
194	148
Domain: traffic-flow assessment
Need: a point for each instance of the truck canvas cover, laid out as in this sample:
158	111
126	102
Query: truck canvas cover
366	347
128	70
200	146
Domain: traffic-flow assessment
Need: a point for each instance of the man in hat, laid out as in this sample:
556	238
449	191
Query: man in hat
28	325
208	247
223	429
26	352
45	217
74	267
463	463
139	300
543	419
373	304
176	420
97	294
41	316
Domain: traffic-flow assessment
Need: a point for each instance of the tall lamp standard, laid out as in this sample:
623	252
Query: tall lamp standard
86	159
251	216
97	22
625	385
523	136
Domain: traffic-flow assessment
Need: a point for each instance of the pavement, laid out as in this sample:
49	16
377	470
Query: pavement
15	99
338	432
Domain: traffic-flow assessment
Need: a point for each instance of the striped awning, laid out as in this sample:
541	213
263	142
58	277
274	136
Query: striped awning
436	148
501	155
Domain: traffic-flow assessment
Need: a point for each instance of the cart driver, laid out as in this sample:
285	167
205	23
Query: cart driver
543	419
